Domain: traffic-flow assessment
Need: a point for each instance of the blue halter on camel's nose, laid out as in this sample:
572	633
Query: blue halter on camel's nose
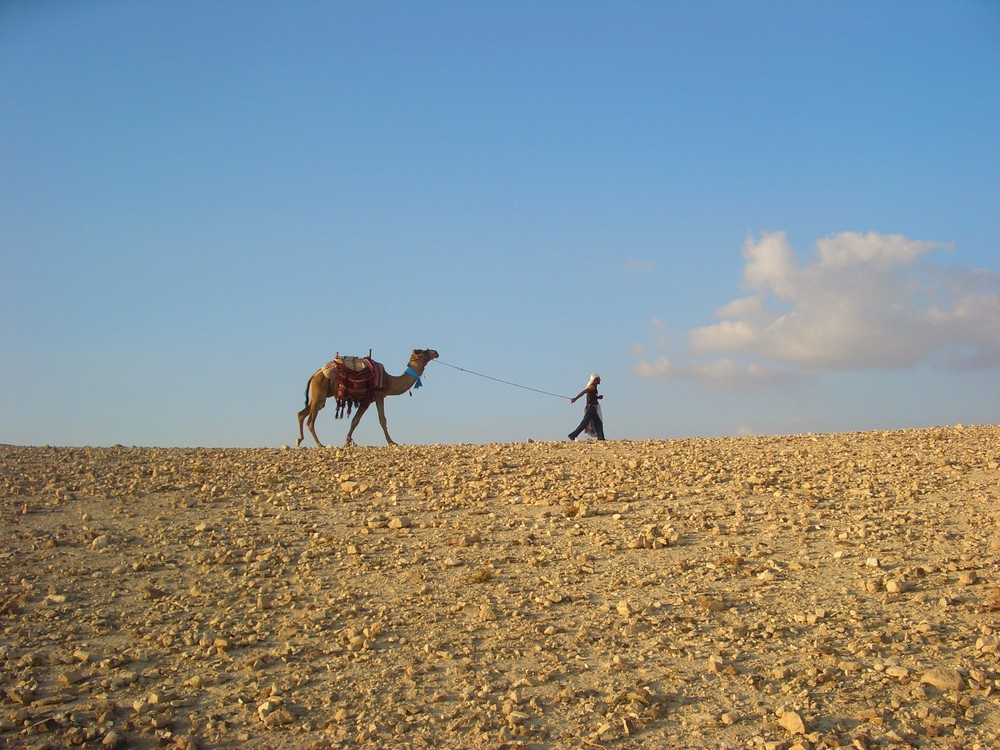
415	375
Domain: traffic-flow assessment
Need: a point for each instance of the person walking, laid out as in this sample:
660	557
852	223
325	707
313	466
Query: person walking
592	421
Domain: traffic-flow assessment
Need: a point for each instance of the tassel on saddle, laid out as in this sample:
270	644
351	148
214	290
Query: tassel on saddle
355	381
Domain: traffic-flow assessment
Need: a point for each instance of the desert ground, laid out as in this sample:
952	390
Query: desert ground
806	591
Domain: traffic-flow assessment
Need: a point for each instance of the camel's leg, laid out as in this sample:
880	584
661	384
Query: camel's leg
380	403
314	409
302	417
354	423
304	413
317	391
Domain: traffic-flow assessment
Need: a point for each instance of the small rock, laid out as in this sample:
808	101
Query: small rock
716	663
152	592
987	644
602	732
273	714
20	694
944	679
487	613
792	721
113	741
70	677
278	718
712	604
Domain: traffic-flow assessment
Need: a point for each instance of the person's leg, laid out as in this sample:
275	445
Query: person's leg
598	425
587	416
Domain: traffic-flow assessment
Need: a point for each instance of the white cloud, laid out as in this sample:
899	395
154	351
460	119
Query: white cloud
729	335
865	301
770	265
657	369
878	250
741	308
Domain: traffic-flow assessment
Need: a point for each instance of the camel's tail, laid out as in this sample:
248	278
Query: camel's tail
309	388
309	385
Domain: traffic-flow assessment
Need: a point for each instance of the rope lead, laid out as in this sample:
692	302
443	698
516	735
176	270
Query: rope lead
505	382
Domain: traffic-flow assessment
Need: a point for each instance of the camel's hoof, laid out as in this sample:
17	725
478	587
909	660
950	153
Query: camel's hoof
298	443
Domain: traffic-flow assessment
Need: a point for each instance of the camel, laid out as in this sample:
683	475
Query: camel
320	387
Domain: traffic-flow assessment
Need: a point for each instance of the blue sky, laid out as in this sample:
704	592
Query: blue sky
749	218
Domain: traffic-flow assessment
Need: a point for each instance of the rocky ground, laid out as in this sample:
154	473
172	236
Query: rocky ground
811	591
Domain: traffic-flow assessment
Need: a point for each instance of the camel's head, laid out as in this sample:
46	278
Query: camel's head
423	356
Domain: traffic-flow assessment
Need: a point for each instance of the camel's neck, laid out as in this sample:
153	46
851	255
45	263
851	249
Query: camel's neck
396	385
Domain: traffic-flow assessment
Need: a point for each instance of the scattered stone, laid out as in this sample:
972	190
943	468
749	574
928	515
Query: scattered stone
716	664
712	603
897	586
70	677
149	591
988	644
792	721
943	678
470	538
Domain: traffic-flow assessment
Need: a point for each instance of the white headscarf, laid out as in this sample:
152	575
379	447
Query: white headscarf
593	379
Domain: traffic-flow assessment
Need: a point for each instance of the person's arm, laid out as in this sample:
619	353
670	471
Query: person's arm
573	400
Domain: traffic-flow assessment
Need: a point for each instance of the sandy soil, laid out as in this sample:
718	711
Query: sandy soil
792	592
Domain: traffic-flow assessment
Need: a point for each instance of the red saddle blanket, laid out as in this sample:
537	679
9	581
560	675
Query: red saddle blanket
354	381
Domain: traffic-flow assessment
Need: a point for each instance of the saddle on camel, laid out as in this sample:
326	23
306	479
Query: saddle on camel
355	379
